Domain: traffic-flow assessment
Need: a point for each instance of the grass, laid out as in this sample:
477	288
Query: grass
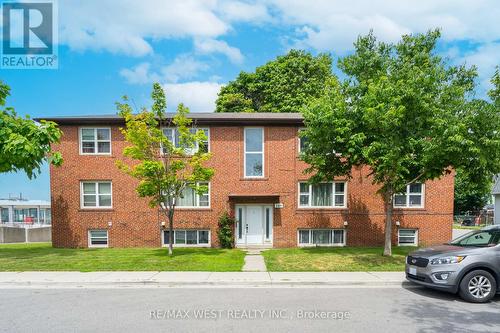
335	259
43	257
472	227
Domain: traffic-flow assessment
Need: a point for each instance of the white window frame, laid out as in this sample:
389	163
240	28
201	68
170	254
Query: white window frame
322	207
415	242
82	206
407	193
96	141
209	244
311	244
195	149
89	233
198	200
253	152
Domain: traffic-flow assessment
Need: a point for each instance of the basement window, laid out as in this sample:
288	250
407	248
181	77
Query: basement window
407	237
321	237
98	238
188	238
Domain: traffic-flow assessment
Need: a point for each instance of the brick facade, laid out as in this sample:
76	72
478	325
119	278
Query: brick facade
132	223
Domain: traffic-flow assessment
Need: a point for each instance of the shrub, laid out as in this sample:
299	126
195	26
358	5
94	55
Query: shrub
225	231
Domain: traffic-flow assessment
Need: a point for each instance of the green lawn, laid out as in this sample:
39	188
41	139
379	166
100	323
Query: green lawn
42	257
335	259
472	227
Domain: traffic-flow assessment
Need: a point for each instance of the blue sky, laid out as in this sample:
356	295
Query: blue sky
108	49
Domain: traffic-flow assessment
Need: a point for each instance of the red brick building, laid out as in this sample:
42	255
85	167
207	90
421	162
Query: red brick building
258	179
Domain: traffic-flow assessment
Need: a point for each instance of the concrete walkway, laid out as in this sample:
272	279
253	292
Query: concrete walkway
197	279
254	262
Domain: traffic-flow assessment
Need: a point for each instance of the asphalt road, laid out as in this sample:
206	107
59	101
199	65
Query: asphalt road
394	309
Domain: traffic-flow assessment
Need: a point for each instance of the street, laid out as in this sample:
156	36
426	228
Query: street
332	309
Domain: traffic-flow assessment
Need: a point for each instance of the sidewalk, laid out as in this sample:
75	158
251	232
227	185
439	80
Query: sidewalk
198	279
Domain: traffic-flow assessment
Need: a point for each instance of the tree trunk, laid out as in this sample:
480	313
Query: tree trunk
170	232
388	197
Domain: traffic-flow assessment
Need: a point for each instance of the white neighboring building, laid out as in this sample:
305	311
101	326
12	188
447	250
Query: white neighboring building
22	212
496	199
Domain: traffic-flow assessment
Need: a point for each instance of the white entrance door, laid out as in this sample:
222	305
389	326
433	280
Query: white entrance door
254	224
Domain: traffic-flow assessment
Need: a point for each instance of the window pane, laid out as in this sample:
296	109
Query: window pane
88	134
406	240
304	200
89	200
406	232
416	188
304	236
338	236
180	237
268	223
166	237
400	200
203	236
240	223
104	188
253	140
191	237
105	200
103	134
5	215
339	200
88	188
322	194
322	236
103	147
304	188
254	165
415	200
304	143
339	188
188	199
99	233
204	200
88	147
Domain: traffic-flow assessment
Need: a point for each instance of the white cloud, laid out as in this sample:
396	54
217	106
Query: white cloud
128	26
334	25
183	67
140	74
209	45
196	95
244	12
486	58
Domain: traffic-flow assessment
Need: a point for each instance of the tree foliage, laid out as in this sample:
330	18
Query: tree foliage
405	113
164	169
283	85
25	144
470	196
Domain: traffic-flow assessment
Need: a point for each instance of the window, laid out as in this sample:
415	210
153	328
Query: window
321	237
96	195
408	237
412	198
95	141
172	134
192	199
98	238
303	142
478	238
45	216
28	215
254	152
4	215
188	237
322	195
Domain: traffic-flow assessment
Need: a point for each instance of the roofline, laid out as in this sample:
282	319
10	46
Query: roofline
198	118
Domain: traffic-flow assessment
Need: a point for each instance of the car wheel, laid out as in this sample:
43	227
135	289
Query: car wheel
478	287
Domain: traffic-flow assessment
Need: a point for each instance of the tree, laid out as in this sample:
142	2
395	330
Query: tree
281	85
470	196
404	113
25	144
163	167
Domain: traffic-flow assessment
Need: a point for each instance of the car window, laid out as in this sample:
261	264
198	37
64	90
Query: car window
479	238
